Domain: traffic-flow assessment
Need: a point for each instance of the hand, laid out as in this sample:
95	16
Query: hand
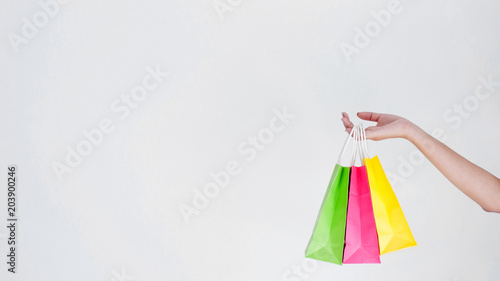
388	125
475	182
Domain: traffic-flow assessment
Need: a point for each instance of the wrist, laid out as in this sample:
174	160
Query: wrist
412	132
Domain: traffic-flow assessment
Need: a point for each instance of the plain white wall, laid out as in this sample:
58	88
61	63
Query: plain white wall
117	212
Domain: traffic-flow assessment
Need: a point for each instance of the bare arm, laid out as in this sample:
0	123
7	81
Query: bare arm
480	185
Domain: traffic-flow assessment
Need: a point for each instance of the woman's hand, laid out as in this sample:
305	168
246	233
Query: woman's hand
477	183
388	125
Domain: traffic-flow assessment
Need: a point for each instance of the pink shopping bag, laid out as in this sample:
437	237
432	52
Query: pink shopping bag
361	240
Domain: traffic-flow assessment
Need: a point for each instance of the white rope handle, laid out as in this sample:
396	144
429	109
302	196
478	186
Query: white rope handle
360	145
363	145
345	145
355	145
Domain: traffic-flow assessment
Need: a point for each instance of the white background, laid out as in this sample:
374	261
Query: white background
118	211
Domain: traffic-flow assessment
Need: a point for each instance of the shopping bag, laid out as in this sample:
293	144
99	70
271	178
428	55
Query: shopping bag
327	240
361	243
392	228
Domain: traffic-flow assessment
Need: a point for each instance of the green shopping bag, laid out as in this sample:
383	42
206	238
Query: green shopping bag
327	240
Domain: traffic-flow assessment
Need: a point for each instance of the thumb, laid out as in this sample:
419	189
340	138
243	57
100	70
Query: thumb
375	133
369	116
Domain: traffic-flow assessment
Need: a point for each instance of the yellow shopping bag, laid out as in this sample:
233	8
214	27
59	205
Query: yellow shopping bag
392	228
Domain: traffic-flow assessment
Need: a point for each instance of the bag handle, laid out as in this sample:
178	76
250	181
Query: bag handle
363	146
355	148
345	146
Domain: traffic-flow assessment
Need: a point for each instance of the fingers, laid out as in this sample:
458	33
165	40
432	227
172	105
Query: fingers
347	123
369	116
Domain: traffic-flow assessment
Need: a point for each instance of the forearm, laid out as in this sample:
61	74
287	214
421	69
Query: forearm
480	185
